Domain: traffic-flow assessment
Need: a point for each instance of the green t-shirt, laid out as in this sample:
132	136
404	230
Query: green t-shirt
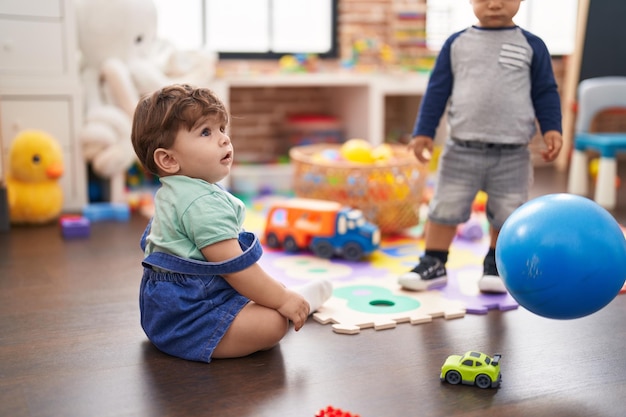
191	214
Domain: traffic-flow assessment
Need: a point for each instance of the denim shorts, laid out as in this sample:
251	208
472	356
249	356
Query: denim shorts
504	172
186	306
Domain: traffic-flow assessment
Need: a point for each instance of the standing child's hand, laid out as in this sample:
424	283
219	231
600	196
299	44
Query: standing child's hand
296	309
554	143
418	145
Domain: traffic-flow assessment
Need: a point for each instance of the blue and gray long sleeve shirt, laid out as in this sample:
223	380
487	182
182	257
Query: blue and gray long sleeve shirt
496	83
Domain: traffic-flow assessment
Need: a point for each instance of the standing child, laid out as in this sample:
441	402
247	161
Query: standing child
497	80
203	295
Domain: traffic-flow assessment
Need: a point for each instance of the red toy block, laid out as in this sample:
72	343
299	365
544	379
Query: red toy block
331	411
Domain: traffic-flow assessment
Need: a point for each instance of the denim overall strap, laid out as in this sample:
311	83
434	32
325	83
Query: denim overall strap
144	236
248	242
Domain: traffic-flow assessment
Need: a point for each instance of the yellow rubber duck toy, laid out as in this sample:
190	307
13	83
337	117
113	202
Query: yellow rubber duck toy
35	165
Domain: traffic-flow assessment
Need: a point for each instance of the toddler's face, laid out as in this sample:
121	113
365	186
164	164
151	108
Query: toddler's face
205	152
495	13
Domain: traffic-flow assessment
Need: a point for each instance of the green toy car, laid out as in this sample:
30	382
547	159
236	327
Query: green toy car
472	368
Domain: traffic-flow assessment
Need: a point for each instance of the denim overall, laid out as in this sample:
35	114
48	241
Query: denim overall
186	306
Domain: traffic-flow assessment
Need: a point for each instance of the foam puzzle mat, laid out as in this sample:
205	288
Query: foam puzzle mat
366	293
363	304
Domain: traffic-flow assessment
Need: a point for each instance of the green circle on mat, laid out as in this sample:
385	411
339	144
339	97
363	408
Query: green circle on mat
314	269
375	300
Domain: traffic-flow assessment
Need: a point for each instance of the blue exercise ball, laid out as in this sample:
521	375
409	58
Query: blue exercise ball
562	256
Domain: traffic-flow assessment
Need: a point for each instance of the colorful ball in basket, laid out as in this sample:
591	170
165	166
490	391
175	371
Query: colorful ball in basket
562	256
357	150
382	153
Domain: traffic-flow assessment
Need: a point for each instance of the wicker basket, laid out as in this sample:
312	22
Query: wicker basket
389	194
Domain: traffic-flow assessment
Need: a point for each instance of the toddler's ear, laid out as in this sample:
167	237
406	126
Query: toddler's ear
166	161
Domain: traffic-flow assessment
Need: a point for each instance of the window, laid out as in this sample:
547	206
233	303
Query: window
445	17
251	28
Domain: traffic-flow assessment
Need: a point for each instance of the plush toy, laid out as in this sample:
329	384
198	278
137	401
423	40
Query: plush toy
35	165
121	61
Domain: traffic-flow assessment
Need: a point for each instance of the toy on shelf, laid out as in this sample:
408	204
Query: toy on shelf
331	411
75	227
472	368
299	63
325	227
370	55
141	187
35	166
308	128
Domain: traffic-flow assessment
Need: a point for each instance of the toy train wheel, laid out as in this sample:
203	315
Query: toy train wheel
453	377
290	245
272	241
482	381
352	251
323	249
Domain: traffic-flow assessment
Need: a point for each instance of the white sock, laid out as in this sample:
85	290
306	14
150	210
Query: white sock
316	292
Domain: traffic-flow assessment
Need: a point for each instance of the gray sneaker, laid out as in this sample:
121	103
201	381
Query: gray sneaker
429	273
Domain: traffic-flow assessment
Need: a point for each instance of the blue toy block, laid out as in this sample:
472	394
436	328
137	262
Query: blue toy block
74	227
97	212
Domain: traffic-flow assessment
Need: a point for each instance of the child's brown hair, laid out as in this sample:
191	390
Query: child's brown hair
159	116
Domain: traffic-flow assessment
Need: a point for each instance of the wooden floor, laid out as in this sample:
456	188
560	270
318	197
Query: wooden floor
71	345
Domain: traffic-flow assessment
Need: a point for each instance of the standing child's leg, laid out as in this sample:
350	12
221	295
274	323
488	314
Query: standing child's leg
491	282
458	180
508	181
431	272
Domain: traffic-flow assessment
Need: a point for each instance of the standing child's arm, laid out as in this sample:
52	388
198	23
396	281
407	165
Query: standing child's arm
254	283
420	144
546	98
435	99
554	142
433	104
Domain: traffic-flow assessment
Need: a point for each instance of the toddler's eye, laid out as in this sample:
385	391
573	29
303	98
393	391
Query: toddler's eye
206	132
223	129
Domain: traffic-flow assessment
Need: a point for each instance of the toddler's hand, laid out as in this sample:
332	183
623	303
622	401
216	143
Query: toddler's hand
296	309
418	145
554	143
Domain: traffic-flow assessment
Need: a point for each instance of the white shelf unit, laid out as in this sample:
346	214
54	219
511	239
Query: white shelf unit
39	83
358	100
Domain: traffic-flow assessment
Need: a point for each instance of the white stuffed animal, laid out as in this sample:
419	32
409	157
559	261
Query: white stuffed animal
122	60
